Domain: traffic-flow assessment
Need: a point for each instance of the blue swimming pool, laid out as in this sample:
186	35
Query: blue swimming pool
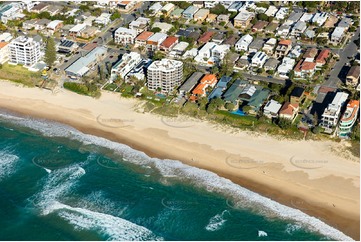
238	112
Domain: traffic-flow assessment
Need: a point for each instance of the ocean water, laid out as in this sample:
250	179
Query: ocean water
57	183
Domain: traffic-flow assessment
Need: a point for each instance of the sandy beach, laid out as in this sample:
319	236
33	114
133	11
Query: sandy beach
307	175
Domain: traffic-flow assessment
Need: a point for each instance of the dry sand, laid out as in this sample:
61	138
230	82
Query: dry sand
301	174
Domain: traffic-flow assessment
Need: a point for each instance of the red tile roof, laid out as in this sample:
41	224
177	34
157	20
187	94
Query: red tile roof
288	108
321	58
285	42
207	80
206	37
3	44
303	65
169	41
144	36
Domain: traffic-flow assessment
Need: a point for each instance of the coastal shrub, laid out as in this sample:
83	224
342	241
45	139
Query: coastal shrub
83	89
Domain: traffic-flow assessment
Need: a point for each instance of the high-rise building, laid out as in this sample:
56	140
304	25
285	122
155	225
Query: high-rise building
165	74
24	50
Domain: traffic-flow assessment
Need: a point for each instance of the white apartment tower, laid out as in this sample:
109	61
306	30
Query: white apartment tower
24	50
165	74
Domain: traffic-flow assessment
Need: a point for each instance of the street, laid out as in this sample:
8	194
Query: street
349	51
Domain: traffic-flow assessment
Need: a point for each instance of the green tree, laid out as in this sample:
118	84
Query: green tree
211	108
230	106
115	16
262	16
50	51
219	9
202	102
284	123
246	109
155	30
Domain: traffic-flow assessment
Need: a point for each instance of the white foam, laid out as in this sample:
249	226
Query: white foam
7	164
201	178
216	222
114	228
291	228
262	233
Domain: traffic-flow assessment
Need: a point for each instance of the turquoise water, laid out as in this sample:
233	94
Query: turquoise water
59	184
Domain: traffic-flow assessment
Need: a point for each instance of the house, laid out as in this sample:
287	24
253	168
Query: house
345	23
218	38
155	8
177	13
190	83
210	4
4	52
128	62
285	67
165	75
235	6
310	54
243	19
295	52
208	81
54	26
190	53
306	17
168	43
206	37
281	13
155	40
89	32
289	111
259	59
141	40
39	8
304	69
103	19
5	37
319	18
67	46
231	40
348	119
271	11
257	100
293	18
353	76
322	57
139	25
283	31
164	27
189	12
201	15
166	9
271	64
198	4
283	47
211	18
256	45
244	42
310	34
218	53
299	28
271	109
331	21
332	113
271	28
125	36
338	34
242	63
82	65
220	87
223	18
297	95
233	93
77	29
53	9
37	24
179	49
269	46
259	26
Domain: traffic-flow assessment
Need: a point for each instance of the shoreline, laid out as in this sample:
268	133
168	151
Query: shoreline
270	171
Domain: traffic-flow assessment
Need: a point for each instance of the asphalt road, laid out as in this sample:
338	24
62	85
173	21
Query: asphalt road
338	73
